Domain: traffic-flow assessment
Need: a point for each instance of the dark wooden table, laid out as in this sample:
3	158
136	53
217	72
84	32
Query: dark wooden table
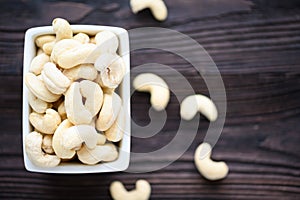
256	46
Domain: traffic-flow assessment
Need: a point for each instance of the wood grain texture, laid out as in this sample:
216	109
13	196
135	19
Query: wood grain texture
256	46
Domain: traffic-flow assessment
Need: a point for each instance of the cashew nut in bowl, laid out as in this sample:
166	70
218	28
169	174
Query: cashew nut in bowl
83	71
209	169
54	79
141	192
62	46
62	29
38	62
37	104
38	88
156	86
48	48
43	39
33	148
111	68
47	144
45	123
198	103
116	131
107	41
58	148
110	109
74	136
82	38
105	153
157	7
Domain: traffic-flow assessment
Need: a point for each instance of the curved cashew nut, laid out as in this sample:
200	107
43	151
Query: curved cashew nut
142	191
106	153
58	148
116	131
83	71
74	136
37	104
110	109
210	169
158	8
38	63
107	41
62	29
47	144
61	47
82	38
45	123
158	88
198	103
77	112
111	68
43	39
54	79
38	88
33	147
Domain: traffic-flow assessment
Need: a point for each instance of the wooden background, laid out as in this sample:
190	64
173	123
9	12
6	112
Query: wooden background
256	46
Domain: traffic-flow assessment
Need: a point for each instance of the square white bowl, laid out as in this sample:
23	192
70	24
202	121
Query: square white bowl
122	163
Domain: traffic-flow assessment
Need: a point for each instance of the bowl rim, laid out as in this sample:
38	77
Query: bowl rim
122	163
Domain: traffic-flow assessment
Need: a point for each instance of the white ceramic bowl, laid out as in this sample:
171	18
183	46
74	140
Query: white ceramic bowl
122	162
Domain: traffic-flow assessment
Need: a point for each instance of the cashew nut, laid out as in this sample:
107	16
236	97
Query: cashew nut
82	38
116	131
58	148
77	112
54	79
74	136
45	123
62	29
47	144
83	71
48	47
198	103
158	88
210	169
33	147
158	8
62	46
37	104
105	153
38	63
111	68
38	88
43	39
141	192
62	111
107	41
109	111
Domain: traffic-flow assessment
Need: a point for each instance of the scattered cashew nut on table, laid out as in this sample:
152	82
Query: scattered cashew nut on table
198	103
156	86
141	192
208	168
157	7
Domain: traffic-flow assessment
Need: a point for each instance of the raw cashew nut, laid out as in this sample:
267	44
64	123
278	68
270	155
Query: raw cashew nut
33	147
77	112
82	38
110	109
58	148
62	46
158	88
141	192
74	136
37	104
38	88
83	71
47	144
48	47
111	68
105	153
43	39
62	111
38	63
210	169
54	79
198	103
158	8
45	123
116	131
62	29
107	41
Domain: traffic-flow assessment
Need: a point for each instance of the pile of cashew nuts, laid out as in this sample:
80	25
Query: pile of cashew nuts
74	109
